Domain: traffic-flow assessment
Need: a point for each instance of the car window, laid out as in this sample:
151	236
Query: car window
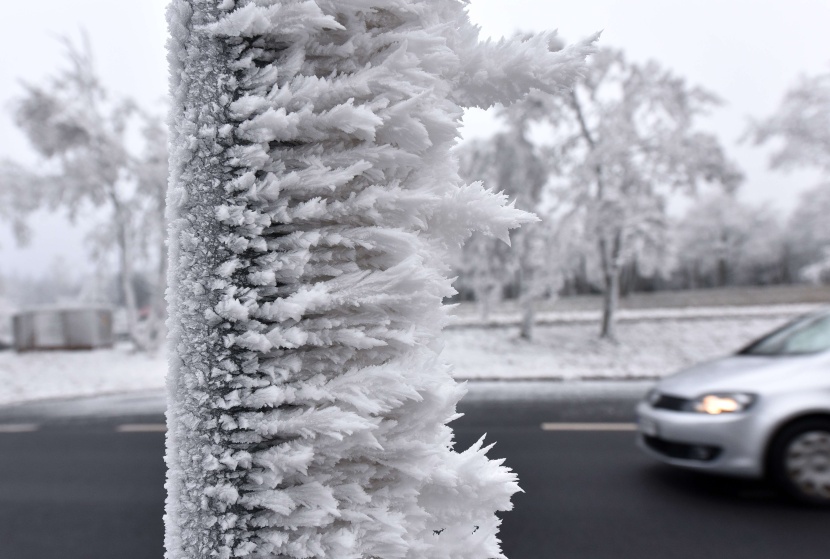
810	334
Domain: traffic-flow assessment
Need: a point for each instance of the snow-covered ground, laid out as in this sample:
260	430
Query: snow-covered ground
649	347
61	374
646	348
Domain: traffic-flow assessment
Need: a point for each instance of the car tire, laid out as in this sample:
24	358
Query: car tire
799	460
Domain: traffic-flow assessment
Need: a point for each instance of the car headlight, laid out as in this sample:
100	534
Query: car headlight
717	404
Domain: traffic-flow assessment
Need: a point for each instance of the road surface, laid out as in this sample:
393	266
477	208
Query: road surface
83	480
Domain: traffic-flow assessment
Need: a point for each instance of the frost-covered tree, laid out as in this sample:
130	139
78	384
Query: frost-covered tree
623	141
83	137
19	197
723	241
801	124
149	170
808	235
530	269
482	265
510	163
800	128
313	201
818	271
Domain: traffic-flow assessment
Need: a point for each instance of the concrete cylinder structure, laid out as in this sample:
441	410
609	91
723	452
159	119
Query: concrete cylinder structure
63	329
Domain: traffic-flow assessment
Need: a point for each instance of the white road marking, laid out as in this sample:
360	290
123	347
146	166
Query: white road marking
589	426
18	427
142	428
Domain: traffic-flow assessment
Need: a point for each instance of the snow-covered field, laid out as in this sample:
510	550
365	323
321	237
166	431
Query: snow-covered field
61	374
648	348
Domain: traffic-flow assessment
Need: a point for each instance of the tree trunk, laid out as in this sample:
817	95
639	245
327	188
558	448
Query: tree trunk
723	272
528	320
484	300
156	319
611	269
610	300
626	281
125	264
526	300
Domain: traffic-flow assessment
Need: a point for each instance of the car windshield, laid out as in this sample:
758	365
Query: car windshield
810	334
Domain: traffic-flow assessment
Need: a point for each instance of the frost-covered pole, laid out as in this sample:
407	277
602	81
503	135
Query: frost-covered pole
313	199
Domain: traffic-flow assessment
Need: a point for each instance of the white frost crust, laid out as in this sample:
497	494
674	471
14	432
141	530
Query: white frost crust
313	200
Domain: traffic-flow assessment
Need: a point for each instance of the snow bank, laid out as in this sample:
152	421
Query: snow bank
646	349
65	374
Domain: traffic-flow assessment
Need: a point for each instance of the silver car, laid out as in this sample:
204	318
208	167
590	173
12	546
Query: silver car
764	411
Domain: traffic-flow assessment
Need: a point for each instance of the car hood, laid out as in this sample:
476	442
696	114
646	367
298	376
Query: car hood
748	373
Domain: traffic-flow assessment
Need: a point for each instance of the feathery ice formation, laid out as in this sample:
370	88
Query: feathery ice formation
313	200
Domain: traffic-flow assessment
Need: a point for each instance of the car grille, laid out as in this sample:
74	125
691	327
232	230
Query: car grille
682	451
666	402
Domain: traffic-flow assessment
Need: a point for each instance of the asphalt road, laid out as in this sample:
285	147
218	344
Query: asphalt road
81	481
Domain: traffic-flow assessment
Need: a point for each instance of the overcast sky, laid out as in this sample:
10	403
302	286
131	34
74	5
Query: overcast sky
747	51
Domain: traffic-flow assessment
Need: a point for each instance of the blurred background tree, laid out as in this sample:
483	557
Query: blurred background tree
808	236
105	160
618	147
722	241
511	164
19	196
625	142
800	130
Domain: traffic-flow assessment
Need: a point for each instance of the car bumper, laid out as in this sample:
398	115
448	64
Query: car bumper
724	444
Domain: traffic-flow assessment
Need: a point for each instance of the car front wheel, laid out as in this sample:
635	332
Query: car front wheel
800	460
